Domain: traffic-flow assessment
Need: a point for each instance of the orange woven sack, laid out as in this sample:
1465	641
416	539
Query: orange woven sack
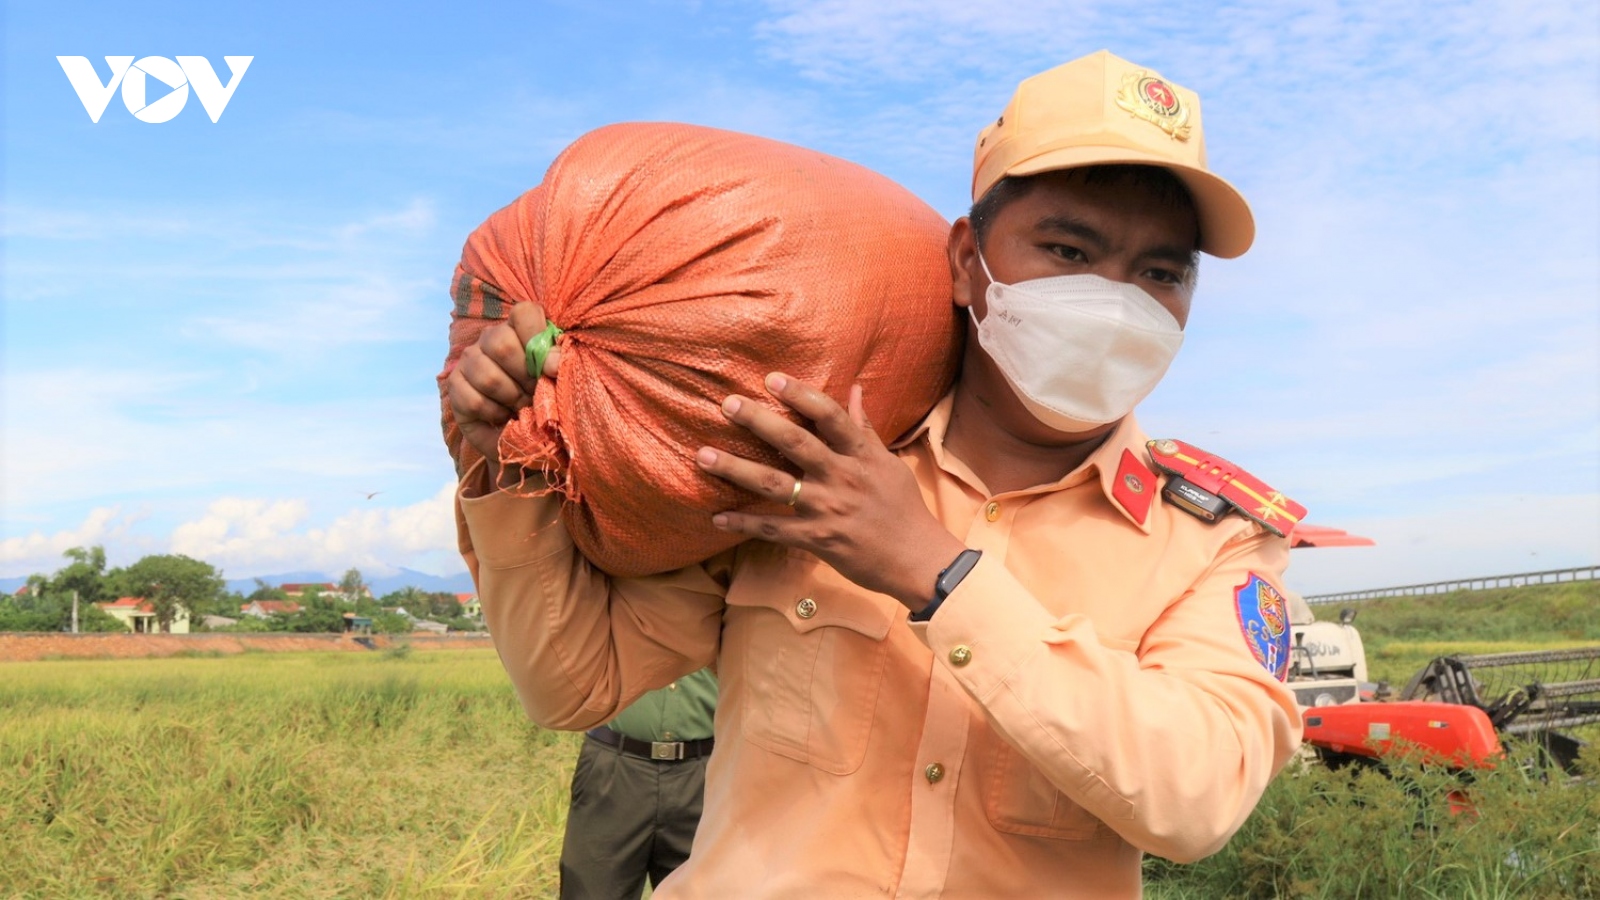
684	264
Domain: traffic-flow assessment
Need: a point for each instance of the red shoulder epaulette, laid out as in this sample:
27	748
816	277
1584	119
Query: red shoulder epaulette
1242	491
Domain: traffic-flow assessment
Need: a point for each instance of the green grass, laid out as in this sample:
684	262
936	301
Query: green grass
1355	833
416	775
1397	661
1402	634
282	775
1542	613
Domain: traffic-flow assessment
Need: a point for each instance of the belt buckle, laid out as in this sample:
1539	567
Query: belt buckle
666	750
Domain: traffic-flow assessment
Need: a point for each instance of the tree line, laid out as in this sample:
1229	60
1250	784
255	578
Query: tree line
171	582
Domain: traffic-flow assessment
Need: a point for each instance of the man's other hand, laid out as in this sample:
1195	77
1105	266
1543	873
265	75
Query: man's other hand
857	506
491	384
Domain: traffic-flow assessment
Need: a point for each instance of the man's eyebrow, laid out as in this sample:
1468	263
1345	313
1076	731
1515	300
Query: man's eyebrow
1172	253
1070	226
1184	257
1084	231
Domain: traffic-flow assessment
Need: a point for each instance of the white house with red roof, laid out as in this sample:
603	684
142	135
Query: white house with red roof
469	605
139	616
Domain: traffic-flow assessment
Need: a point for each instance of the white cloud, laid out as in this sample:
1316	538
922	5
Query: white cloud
518	128
1402	46
40	552
324	315
232	525
242	277
227	227
254	536
418	217
24	221
913	40
74	435
1300	89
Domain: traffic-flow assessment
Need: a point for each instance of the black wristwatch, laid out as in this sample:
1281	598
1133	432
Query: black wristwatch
948	580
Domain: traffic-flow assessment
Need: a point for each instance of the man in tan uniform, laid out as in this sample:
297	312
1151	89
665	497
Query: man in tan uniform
1006	656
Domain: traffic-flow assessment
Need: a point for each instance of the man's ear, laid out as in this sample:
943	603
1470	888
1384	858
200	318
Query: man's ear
962	249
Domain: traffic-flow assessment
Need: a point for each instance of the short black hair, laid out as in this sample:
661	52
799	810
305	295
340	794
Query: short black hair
1158	181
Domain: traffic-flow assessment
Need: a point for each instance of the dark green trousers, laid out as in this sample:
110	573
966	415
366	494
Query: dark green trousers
630	819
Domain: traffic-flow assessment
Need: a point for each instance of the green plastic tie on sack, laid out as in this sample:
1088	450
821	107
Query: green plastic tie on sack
539	347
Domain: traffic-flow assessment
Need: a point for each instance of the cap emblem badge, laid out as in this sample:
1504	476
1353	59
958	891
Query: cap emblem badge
1153	100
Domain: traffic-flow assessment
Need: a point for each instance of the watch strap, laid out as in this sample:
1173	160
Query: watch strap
949	579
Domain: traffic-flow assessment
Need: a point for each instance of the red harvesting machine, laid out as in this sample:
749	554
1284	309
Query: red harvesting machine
1457	708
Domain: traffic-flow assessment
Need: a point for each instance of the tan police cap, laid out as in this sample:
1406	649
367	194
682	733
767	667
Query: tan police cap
1102	109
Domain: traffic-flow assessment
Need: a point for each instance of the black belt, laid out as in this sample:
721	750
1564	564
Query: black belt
660	751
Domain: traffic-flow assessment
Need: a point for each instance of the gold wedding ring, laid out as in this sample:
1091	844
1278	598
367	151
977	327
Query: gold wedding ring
794	497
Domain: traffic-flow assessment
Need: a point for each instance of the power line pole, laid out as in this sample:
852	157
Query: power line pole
74	612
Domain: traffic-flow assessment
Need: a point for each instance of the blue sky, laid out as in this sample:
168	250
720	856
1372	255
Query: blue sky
219	337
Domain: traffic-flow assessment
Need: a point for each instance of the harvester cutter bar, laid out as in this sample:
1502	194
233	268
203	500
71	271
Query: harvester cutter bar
1569	688
1523	692
1528	657
1534	725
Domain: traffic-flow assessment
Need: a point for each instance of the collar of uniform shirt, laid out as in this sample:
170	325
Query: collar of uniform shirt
1103	462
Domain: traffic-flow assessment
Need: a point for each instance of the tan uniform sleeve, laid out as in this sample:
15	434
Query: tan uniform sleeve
579	645
1170	746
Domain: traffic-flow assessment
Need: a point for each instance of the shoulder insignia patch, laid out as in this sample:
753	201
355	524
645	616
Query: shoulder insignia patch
1264	619
1209	487
1134	487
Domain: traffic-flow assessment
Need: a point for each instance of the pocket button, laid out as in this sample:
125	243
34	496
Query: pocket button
806	608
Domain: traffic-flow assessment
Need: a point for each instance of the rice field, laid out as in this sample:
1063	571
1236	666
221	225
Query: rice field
276	775
415	775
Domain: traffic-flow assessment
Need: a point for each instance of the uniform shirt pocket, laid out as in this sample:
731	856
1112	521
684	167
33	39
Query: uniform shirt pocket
1018	799
810	646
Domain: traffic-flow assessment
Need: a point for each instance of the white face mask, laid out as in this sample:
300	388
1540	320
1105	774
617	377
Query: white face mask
1080	351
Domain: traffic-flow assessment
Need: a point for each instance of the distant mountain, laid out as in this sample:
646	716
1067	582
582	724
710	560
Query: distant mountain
455	584
248	585
460	583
